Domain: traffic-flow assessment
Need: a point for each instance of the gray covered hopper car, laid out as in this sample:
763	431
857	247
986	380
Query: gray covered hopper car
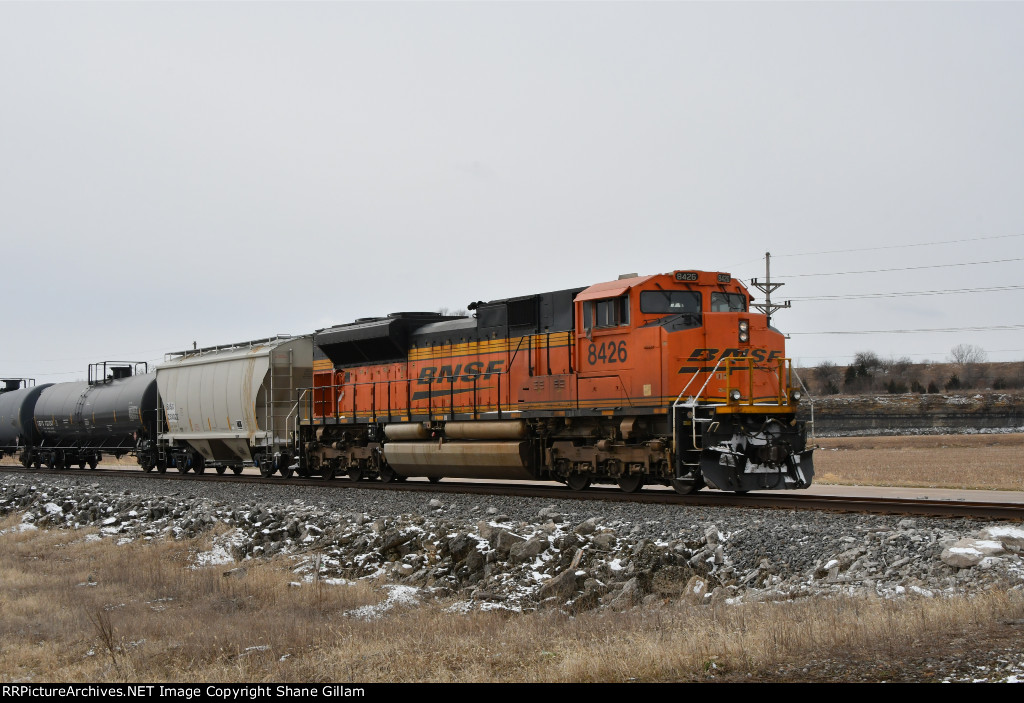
230	405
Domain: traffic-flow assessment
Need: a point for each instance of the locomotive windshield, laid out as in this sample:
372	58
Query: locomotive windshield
728	302
669	301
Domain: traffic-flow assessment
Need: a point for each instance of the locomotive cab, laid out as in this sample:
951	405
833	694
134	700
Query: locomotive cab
685	344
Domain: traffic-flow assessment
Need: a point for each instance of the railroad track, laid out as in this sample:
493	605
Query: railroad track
985	510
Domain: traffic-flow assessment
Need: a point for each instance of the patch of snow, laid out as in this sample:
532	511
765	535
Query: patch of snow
221	551
397	595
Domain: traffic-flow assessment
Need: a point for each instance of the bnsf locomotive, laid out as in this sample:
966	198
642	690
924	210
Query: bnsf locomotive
665	379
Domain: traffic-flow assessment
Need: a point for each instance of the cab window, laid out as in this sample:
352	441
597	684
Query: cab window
728	302
606	313
666	302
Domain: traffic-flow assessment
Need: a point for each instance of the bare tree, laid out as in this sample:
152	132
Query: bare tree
902	375
869	361
969	358
861	375
964	354
828	377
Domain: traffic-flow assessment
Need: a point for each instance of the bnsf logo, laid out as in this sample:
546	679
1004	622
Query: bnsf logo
474	369
717	354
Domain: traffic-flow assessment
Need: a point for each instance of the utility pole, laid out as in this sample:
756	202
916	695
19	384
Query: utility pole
767	287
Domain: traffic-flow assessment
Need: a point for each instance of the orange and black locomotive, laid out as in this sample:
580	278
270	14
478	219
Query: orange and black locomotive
664	379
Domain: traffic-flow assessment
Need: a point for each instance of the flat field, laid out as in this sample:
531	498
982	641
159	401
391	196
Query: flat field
977	461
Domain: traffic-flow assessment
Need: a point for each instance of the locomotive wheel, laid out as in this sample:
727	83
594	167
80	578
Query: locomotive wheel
26	460
147	467
221	470
355	474
81	464
327	473
388	475
631	483
199	468
577	482
181	468
685	488
266	469
287	472
93	463
434	479
161	467
236	470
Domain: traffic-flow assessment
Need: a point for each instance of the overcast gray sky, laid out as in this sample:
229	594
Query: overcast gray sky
215	172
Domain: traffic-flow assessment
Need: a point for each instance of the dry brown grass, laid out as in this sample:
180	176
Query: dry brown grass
79	610
992	462
74	610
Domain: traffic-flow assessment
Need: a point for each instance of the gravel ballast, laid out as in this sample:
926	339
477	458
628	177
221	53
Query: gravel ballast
523	553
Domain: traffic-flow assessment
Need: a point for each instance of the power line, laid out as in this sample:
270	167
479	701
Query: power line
902	246
907	294
908	268
992	328
853	356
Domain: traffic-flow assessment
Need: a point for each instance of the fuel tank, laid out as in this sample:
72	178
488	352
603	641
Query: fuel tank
106	413
493	460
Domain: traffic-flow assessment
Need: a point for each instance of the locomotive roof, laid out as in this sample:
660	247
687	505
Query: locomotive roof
612	289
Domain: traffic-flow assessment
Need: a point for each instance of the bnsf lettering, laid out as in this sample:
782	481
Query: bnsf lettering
702	354
716	354
446	373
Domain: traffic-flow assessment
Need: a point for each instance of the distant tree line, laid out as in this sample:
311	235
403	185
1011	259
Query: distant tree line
966	369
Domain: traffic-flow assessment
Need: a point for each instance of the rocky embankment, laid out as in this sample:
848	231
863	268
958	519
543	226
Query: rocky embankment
909	413
524	553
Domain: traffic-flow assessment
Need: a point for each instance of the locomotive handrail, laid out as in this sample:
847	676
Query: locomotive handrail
450	380
295	422
810	399
692	403
307	404
781	395
693	399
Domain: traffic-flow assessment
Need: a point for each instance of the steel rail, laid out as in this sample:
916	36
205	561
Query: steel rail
654	495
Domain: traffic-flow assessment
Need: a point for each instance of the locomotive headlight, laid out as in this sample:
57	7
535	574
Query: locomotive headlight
795	396
734	395
744	331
